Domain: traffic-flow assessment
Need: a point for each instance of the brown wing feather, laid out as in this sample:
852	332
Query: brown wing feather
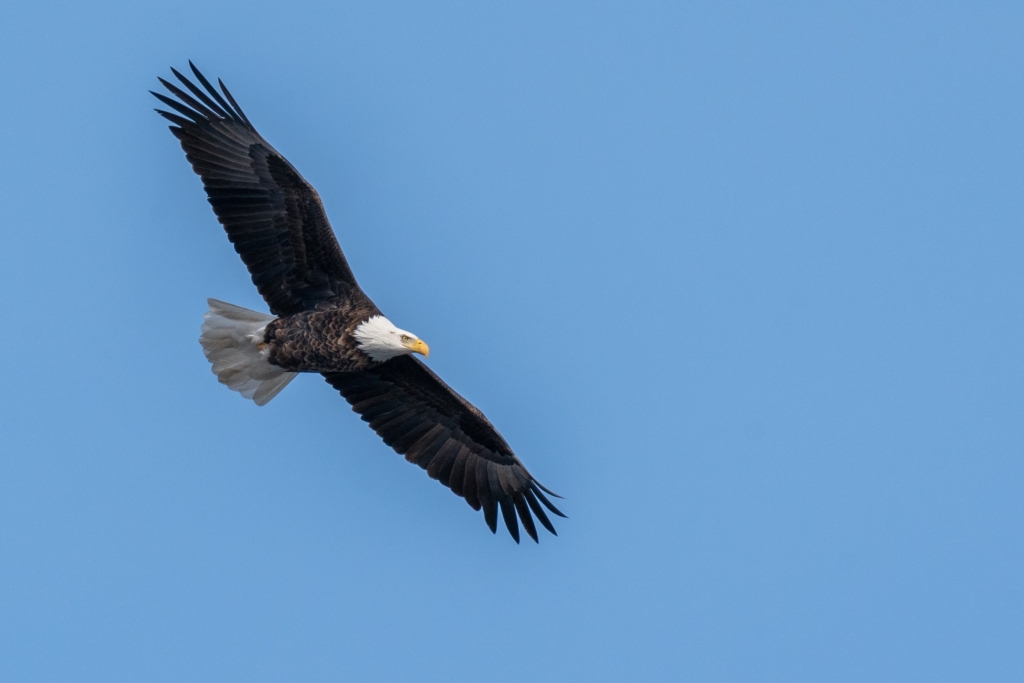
271	214
422	418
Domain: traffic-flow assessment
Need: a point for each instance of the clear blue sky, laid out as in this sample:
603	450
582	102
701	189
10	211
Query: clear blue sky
743	281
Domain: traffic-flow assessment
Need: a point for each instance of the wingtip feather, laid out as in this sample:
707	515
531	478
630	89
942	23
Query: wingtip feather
525	518
508	512
547	503
538	510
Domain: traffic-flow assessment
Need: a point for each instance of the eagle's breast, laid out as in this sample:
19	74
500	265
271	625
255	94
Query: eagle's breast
316	341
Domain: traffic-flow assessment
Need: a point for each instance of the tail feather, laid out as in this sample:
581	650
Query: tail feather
232	339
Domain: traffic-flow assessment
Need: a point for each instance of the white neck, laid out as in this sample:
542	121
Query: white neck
381	340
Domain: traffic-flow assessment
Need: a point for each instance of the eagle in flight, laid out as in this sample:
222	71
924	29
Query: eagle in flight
323	322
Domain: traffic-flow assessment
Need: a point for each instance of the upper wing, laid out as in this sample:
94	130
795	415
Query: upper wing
420	416
271	214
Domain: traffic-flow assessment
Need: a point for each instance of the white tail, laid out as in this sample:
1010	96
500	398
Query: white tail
232	340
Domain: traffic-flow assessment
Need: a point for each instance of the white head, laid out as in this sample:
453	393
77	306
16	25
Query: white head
380	340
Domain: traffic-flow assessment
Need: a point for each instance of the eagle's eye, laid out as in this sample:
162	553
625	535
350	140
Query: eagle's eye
405	338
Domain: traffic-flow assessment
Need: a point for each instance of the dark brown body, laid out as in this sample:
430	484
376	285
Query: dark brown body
320	341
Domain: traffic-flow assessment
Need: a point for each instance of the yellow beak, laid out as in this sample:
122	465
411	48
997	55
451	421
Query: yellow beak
420	346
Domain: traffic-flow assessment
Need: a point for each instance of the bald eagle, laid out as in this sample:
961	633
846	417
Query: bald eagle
323	322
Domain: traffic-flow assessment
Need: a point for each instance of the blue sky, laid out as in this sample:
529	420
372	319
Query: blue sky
741	280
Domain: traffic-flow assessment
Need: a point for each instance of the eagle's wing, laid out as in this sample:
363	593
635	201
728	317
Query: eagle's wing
421	417
271	214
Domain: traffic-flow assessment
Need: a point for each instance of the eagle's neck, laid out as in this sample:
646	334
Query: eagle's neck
379	339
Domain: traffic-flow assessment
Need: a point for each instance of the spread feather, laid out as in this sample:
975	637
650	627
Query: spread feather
232	339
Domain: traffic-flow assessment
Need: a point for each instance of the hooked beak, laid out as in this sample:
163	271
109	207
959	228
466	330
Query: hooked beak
420	346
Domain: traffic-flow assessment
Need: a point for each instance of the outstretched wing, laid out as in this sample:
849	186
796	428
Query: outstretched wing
272	215
421	417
